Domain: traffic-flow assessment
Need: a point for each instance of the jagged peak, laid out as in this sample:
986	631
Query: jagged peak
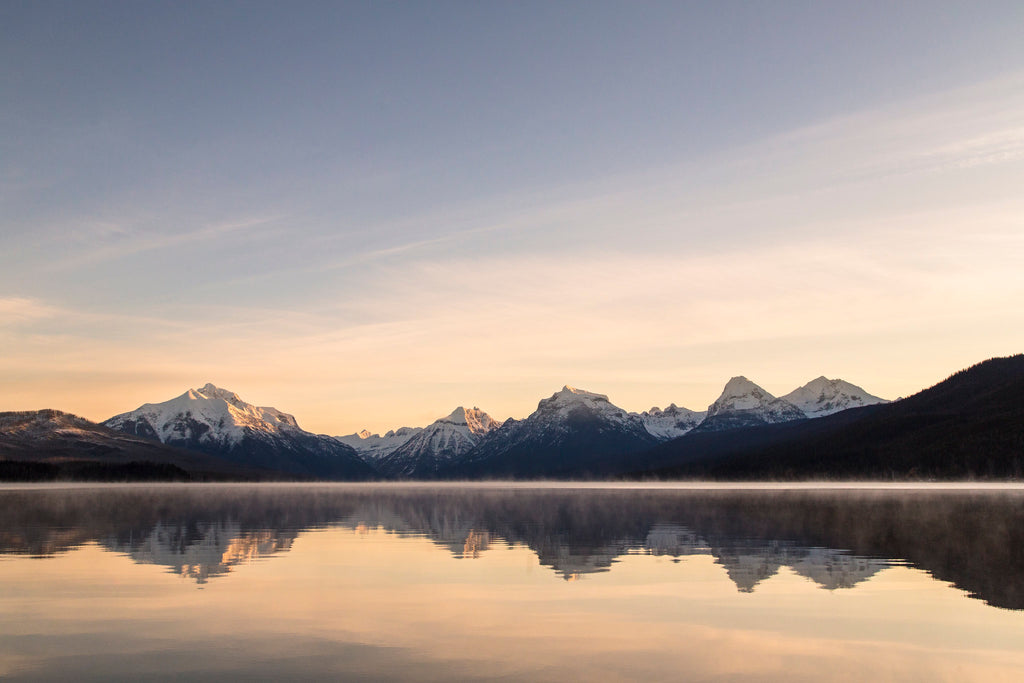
365	434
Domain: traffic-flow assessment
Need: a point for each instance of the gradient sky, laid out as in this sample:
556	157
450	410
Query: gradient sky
366	214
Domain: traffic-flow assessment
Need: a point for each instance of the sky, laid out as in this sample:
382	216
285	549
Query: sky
366	214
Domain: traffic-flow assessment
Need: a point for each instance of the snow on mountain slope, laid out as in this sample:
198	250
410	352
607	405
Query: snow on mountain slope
745	404
440	442
823	396
570	399
373	447
565	433
671	422
215	420
209	415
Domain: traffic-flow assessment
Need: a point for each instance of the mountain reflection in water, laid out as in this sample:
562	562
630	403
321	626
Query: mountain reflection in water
837	539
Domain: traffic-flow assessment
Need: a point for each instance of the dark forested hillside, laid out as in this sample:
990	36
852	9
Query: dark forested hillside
42	445
970	426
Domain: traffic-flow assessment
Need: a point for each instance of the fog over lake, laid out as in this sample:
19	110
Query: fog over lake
521	582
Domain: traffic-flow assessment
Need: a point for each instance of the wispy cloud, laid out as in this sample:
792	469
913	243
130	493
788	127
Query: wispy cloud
20	310
111	241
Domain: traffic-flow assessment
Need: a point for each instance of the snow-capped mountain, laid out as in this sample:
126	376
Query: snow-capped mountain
217	421
564	432
671	422
442	442
373	447
823	396
744	404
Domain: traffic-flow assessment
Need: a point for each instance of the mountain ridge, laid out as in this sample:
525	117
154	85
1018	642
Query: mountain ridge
968	426
830	428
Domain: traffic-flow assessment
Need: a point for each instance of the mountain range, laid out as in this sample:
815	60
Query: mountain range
823	428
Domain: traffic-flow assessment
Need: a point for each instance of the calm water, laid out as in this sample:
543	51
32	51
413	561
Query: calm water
427	583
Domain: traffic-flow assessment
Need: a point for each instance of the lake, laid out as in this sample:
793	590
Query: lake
532	583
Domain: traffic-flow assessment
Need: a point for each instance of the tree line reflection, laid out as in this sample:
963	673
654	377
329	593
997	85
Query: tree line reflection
974	540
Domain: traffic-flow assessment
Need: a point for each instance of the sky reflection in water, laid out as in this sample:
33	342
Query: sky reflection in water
428	583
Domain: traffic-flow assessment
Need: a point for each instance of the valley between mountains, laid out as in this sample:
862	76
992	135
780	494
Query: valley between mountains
968	426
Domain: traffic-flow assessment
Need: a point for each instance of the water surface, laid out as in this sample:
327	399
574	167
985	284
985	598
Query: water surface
513	583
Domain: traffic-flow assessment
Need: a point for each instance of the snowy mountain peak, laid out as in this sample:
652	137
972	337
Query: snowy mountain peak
571	396
823	396
743	404
365	434
209	415
740	394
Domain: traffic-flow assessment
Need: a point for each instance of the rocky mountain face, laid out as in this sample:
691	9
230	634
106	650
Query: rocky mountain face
441	443
823	396
214	420
566	430
745	404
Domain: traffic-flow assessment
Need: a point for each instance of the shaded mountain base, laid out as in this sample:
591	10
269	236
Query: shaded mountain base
85	470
